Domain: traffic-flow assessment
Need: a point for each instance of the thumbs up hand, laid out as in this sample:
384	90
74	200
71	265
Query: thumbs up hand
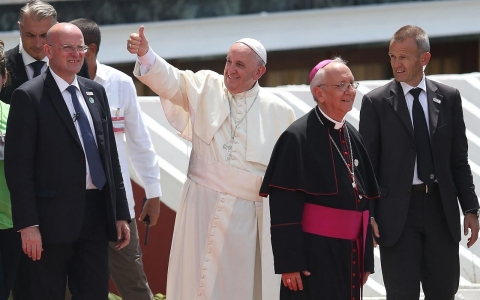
137	43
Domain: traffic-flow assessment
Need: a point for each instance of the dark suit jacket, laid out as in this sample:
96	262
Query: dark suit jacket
387	131
18	74
45	164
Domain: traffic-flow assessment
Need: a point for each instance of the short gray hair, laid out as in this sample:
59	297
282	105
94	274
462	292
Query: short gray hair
260	61
321	73
37	10
414	32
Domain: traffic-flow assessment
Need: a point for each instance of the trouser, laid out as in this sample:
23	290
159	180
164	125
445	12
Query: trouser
10	253
426	252
126	269
84	262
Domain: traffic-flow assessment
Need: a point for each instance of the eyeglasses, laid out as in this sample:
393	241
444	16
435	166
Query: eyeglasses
71	48
343	86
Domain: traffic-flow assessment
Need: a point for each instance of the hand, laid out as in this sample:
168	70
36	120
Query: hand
376	232
32	242
137	43
293	280
471	221
365	277
151	208
123	234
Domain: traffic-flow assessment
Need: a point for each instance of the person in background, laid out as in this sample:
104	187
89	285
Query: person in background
414	133
219	248
321	183
28	60
10	243
126	267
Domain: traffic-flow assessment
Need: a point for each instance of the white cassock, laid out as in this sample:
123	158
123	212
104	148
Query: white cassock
221	249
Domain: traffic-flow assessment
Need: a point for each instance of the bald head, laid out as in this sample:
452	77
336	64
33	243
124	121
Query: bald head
62	29
62	49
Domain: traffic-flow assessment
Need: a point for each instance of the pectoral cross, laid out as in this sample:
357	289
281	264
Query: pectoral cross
228	147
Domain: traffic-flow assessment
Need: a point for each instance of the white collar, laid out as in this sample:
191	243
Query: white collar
247	94
62	84
406	87
101	72
338	125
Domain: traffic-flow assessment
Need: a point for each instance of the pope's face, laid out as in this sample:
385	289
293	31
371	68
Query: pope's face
335	93
242	69
407	63
34	34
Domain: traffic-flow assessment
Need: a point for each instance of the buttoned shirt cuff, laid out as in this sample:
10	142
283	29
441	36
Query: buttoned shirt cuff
147	61
153	190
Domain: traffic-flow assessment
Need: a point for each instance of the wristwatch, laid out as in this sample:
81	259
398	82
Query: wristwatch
475	211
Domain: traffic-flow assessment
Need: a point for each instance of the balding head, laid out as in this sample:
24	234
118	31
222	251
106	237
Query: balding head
334	89
64	50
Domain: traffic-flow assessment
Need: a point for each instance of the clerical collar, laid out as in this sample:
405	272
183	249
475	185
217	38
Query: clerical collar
250	93
338	125
27	58
406	87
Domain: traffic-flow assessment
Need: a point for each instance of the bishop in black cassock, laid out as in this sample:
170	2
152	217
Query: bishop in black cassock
319	209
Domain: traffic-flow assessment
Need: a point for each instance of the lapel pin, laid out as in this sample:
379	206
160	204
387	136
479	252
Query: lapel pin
89	93
437	100
91	100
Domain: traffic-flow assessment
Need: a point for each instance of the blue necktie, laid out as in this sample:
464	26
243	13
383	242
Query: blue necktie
37	67
93	156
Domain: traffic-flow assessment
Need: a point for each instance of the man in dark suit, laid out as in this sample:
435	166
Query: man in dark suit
62	169
27	59
414	131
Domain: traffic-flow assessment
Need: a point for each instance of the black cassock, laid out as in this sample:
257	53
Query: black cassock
305	167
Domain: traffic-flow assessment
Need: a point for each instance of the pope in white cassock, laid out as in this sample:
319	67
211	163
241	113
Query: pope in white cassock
221	247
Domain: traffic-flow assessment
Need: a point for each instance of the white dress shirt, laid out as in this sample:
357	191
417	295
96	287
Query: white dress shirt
122	99
63	85
27	60
423	101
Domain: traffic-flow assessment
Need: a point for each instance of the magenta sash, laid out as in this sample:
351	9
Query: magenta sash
337	223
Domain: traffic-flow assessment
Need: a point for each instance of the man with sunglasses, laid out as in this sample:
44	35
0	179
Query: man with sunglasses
320	183
63	173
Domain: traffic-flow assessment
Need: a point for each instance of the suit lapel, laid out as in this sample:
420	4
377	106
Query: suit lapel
59	103
433	107
399	104
19	66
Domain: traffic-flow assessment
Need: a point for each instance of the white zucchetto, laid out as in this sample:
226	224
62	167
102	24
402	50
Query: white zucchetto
255	46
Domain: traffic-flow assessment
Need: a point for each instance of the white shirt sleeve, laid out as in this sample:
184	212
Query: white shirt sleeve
141	151
147	61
